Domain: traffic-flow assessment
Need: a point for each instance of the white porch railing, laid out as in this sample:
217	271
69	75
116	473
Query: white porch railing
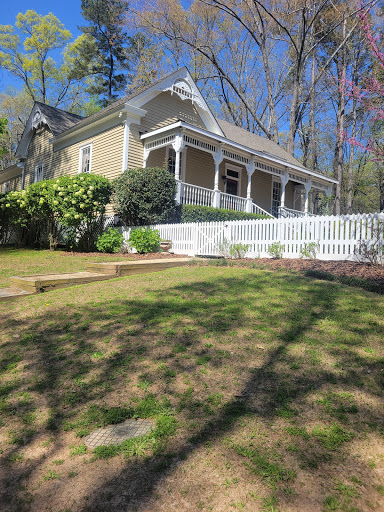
192	194
287	213
230	202
260	211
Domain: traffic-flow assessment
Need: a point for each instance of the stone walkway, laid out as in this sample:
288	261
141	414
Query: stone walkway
116	434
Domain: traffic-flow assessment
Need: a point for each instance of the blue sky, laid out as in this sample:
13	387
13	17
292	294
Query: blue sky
68	12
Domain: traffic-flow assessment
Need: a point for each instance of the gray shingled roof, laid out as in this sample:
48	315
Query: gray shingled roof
256	142
113	106
58	120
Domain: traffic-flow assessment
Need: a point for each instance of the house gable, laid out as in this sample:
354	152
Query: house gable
180	87
56	121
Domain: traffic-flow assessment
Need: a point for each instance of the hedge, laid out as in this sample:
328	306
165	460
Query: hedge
195	213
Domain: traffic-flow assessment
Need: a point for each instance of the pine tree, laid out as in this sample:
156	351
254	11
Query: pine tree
107	26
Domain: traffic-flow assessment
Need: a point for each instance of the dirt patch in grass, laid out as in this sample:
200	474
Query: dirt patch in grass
266	388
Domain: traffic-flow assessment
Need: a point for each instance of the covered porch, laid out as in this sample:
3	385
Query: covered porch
214	171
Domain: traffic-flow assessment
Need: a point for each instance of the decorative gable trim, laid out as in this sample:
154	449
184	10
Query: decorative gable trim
182	84
35	120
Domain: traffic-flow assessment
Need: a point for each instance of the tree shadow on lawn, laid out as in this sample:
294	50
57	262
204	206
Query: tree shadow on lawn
61	348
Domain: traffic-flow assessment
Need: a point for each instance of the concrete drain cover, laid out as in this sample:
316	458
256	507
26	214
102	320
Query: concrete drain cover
116	434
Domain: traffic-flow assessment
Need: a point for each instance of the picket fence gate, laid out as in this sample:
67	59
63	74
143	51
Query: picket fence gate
336	237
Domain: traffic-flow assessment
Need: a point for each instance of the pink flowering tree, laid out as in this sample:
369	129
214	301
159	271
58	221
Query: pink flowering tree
370	94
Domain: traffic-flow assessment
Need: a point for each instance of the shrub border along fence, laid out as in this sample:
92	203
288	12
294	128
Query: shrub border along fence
337	237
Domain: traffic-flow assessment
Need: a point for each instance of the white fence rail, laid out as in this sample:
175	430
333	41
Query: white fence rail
337	238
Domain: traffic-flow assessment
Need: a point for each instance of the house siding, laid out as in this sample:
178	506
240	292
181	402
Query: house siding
107	154
14	184
167	108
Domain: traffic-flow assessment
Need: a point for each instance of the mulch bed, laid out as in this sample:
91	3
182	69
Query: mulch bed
348	272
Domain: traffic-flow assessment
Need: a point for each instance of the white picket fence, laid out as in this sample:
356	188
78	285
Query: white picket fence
337	237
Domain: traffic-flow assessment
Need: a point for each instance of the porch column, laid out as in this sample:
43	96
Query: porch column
178	146
307	186
284	180
145	156
124	166
250	170
218	158
21	165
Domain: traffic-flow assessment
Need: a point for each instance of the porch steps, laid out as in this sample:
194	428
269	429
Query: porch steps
21	286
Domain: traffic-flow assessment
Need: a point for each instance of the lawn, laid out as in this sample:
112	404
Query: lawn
266	389
26	261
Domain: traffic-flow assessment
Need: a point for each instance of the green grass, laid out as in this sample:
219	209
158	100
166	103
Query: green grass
21	262
257	379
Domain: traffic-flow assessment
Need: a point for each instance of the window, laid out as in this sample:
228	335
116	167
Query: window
232	182
276	197
39	173
171	160
6	187
85	158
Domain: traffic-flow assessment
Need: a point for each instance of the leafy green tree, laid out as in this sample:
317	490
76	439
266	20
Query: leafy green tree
3	131
26	49
107	26
145	196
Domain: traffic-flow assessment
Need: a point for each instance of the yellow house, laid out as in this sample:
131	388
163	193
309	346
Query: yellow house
168	123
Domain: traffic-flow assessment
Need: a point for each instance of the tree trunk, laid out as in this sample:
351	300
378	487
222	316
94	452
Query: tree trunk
312	120
339	147
351	160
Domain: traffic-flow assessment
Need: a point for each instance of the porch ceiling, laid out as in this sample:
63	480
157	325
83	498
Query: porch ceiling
212	143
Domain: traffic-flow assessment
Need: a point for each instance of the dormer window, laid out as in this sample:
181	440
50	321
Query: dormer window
85	158
39	173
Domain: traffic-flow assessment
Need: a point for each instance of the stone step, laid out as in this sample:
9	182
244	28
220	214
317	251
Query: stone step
124	268
13	293
45	282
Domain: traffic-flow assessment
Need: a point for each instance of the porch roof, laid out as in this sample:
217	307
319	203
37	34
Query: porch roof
251	152
10	172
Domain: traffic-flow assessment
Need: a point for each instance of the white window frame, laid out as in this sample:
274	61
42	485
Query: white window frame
183	157
239	170
275	180
81	149
6	187
38	178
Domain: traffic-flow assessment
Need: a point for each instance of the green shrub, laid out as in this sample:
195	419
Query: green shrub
309	250
145	196
145	240
195	213
110	241
76	203
229	250
79	203
13	214
276	250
